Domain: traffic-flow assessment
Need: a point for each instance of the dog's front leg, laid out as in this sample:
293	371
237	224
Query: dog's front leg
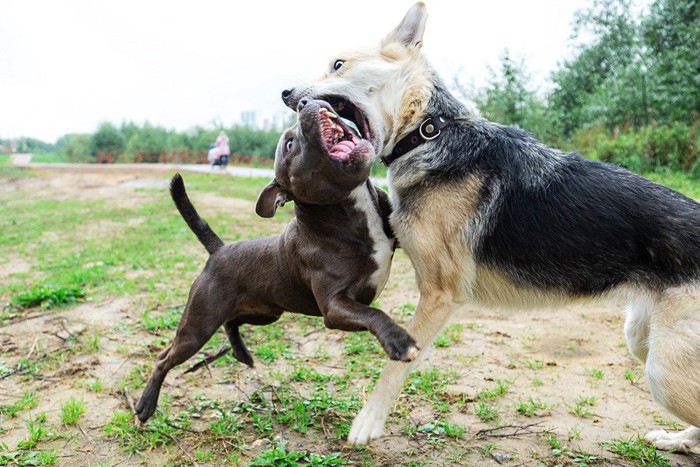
432	314
342	312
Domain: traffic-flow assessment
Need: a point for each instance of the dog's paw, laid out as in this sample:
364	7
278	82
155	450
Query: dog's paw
682	441
144	409
399	345
368	425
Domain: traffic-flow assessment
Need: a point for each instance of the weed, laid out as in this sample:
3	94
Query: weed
633	376
203	457
498	390
92	385
441	428
595	375
407	309
574	433
486	412
531	407
48	297
279	456
581	407
92	342
23	457
270	351
135	379
72	410
361	343
37	431
553	441
163	321
450	336
28	400
133	438
639	451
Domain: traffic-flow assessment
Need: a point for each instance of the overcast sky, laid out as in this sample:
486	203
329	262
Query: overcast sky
66	66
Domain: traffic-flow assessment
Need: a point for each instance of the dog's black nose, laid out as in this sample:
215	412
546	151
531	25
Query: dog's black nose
285	95
302	103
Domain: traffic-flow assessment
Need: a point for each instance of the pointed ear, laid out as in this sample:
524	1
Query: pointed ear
271	197
409	32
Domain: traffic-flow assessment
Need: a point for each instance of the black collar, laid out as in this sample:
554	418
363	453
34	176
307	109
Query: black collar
426	131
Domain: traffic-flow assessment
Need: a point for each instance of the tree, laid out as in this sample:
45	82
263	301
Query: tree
605	83
671	34
508	98
75	146
107	138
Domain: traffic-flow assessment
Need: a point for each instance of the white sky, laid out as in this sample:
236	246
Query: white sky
66	66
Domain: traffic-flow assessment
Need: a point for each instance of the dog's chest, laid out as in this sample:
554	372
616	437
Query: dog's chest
383	246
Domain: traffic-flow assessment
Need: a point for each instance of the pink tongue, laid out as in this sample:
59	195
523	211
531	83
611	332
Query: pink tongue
343	149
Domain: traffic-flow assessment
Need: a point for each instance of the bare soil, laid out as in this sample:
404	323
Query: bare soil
549	355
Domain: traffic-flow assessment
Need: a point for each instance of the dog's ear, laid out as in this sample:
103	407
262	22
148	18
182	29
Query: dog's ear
271	197
410	31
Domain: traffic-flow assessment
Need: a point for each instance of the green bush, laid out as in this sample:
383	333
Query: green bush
647	149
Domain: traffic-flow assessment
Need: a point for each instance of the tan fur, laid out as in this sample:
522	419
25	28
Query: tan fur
429	235
673	363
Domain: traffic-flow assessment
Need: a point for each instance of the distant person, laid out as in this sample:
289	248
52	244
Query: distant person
224	149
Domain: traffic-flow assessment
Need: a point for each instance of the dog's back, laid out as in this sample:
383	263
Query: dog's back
551	211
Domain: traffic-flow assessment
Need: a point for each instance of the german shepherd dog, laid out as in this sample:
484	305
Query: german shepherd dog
490	216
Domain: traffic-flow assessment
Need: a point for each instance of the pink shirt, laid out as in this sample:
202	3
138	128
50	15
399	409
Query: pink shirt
222	144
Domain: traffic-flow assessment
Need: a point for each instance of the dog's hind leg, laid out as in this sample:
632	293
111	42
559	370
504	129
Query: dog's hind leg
637	323
432	314
673	365
193	332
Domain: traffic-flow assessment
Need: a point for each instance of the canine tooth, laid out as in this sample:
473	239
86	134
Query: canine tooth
331	114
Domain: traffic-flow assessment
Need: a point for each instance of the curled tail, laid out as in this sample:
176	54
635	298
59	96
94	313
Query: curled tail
201	229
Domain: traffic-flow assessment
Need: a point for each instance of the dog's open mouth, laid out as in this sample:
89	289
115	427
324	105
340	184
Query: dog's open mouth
351	114
342	141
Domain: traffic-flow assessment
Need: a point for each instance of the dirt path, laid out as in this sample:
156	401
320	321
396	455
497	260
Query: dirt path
570	366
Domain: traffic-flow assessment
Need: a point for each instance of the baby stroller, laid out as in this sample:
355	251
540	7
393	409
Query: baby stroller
214	157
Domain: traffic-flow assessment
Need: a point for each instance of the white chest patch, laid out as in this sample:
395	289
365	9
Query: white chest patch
383	246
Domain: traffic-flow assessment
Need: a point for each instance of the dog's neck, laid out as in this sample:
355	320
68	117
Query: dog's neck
435	101
326	217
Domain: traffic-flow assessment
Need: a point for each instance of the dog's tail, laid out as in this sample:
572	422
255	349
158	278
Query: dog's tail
201	229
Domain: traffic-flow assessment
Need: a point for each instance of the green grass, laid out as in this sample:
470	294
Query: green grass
581	408
486	412
48	297
531	407
50	157
72	410
144	251
27	401
638	451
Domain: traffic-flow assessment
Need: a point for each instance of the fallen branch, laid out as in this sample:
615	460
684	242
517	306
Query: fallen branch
518	430
212	358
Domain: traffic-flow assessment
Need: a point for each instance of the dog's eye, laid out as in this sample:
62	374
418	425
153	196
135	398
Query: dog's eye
288	146
338	64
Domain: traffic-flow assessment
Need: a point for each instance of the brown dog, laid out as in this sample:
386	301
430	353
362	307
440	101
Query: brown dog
332	260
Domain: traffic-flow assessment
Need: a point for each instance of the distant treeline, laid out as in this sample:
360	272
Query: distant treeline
129	137
630	95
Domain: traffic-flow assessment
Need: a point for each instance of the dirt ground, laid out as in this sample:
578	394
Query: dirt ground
559	357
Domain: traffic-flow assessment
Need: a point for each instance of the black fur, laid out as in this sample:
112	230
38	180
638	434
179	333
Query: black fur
559	221
201	229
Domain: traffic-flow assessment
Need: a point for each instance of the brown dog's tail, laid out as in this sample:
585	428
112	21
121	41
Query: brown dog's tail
201	229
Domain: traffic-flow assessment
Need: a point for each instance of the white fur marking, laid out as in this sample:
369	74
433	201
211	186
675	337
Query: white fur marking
383	246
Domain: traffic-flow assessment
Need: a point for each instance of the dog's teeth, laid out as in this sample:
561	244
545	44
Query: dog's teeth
331	114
